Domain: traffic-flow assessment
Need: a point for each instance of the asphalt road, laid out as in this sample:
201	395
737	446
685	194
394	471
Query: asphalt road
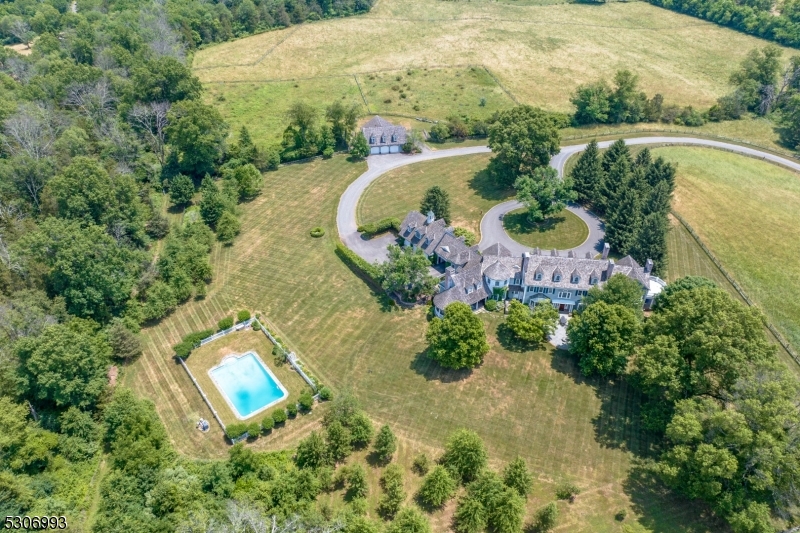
492	226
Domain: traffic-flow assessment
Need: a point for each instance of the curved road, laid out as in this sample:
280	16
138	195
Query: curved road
491	225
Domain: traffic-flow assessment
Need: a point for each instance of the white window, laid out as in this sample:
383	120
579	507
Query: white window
383	139
575	279
394	138
563	294
372	139
556	278
593	281
538	276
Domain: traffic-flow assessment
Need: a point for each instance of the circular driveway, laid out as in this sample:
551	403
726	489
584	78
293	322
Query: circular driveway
492	229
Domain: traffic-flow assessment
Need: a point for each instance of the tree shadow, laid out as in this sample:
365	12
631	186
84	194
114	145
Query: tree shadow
656	504
618	424
486	186
425	366
519	223
178	209
374	460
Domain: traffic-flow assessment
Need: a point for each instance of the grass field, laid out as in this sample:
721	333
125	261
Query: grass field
539	53
210	355
435	93
745	210
531	403
562	231
471	190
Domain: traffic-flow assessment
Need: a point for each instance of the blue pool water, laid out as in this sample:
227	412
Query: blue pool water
247	384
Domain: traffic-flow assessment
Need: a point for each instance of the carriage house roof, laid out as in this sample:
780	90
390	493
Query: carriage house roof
381	132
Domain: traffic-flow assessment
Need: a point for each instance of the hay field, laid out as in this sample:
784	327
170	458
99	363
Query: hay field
539	52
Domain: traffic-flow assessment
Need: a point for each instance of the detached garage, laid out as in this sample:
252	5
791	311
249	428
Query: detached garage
384	137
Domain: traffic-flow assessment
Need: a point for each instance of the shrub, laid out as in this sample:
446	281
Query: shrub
225	323
546	517
325	394
196	337
620	516
279	416
242	315
234	431
256	325
470	238
327	153
268	423
183	349
491	305
291	410
421	464
306	401
440	132
254	429
567	491
317	232
380	226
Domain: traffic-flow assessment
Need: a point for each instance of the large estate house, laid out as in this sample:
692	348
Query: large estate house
472	277
384	137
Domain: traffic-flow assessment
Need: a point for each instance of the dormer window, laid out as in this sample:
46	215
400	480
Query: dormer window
538	276
556	277
394	138
592	281
575	279
383	139
371	139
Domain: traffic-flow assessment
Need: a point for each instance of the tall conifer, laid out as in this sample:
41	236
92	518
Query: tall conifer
588	173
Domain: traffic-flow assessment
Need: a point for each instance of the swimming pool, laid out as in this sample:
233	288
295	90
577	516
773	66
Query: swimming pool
247	384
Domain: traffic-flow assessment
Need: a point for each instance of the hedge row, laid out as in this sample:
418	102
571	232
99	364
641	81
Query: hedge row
190	342
278	417
354	261
380	226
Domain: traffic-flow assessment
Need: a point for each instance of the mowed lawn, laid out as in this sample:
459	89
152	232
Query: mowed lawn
472	191
746	211
561	231
528	403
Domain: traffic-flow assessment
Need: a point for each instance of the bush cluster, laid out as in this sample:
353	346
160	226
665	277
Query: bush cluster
191	341
243	315
381	226
225	323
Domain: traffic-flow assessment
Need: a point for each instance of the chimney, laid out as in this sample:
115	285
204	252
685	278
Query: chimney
610	269
430	218
648	266
606	249
554	252
537	251
571	254
448	277
588	255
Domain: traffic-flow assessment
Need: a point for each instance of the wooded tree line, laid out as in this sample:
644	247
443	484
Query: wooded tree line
172	25
779	22
632	195
712	387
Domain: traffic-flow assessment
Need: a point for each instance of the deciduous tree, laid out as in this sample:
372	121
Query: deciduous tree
437	487
465	455
457	340
407	271
603	337
543	193
437	200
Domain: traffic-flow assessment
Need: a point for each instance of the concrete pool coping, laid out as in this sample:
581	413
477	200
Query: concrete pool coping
233	357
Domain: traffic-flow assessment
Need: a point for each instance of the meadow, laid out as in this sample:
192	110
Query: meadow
745	211
533	53
524	402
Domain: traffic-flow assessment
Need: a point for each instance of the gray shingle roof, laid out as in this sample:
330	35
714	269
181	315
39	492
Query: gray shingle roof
380	132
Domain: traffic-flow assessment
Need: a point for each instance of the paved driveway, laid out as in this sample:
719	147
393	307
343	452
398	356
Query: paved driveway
491	226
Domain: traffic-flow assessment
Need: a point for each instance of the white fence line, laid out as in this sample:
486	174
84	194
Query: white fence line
203	394
291	357
220	334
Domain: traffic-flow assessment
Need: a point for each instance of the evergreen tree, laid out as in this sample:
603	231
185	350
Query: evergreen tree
393	493
437	200
651	242
659	171
613	181
470	516
623	221
438	487
465	455
618	150
228	227
517	476
643	159
657	200
181	190
385	444
546	517
587	174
